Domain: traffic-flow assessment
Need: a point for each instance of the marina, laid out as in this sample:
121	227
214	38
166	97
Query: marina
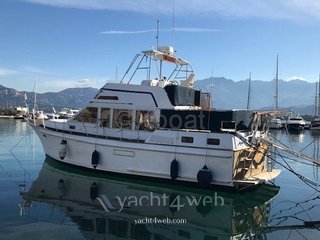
159	120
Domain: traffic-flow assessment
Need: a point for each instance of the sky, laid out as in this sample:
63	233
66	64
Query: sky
81	43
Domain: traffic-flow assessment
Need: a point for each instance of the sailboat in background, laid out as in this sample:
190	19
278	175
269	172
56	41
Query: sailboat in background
36	116
315	124
276	123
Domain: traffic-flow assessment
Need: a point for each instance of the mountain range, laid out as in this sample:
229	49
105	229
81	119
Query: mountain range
295	95
71	98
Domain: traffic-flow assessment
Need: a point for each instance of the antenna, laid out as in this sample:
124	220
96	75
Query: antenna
157	37
173	23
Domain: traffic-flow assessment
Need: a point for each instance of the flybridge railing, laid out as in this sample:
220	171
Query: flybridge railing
181	70
130	66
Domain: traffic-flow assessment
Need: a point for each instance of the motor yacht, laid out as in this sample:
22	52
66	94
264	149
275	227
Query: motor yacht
154	125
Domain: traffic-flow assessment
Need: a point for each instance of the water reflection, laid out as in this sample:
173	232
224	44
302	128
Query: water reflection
9	126
120	208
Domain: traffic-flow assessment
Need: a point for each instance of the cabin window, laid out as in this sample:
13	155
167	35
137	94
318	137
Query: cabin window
122	118
108	97
88	115
145	120
105	117
187	139
228	125
213	141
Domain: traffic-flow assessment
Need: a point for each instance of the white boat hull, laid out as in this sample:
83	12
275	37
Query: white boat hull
146	159
140	159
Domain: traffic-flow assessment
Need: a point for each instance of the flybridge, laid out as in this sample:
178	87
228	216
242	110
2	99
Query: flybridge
151	61
166	53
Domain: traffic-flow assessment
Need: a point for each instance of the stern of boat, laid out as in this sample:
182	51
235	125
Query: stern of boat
253	166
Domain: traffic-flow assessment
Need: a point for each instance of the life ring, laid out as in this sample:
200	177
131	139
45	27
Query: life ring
123	120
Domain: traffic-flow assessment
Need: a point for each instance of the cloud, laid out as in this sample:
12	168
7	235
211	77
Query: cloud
197	29
23	70
128	32
296	78
32	69
5	72
68	83
85	83
271	9
181	29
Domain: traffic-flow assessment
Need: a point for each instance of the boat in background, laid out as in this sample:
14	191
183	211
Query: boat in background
63	113
295	123
66	113
162	129
315	124
276	123
21	112
36	116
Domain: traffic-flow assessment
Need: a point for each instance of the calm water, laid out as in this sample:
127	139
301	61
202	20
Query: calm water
41	199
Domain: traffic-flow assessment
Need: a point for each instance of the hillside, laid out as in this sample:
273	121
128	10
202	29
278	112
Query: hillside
72	97
295	94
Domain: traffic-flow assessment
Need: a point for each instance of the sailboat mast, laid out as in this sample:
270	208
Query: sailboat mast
277	84
318	112
211	89
35	106
316	101
249	93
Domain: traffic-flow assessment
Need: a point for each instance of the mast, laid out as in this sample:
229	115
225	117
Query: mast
316	101
211	89
173	23
249	93
277	84
35	106
318	112
157	37
116	73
